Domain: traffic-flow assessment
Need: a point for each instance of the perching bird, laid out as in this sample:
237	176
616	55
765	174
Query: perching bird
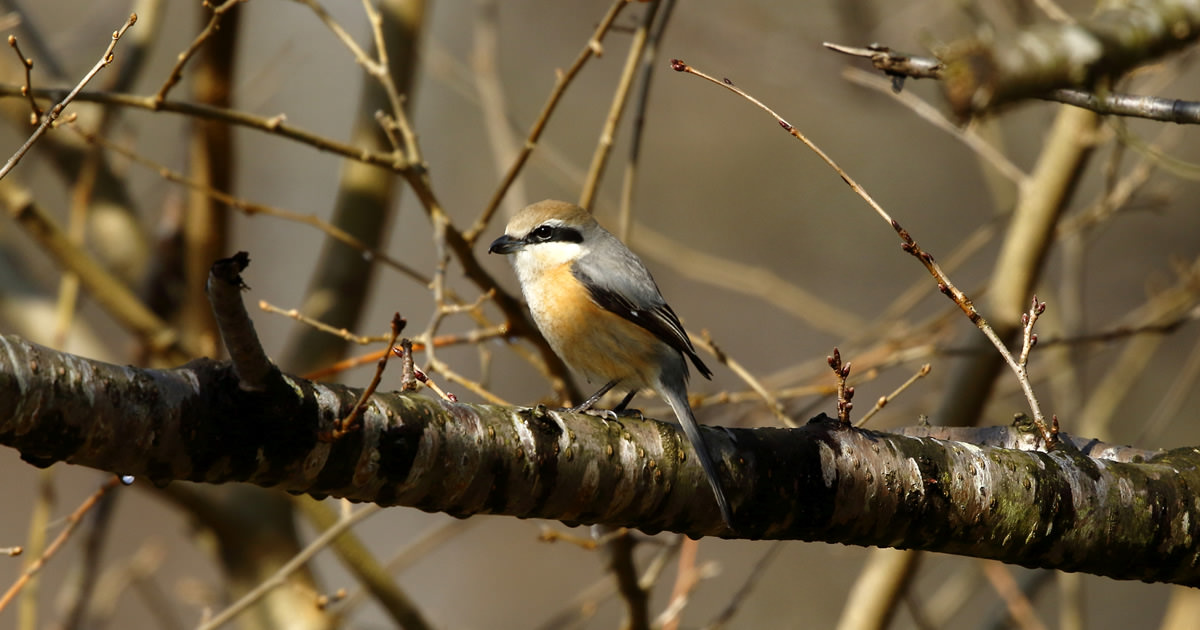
599	309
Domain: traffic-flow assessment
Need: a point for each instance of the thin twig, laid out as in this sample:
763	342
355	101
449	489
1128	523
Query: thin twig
706	342
884	400
446	235
649	64
966	135
181	60
592	48
1019	607
73	521
378	69
686	583
293	565
591	183
440	341
752	578
620	554
250	208
382	73
365	566
908	244
687	567
414	549
274	125
845	393
424	379
747	279
51	116
112	294
489	89
39	517
342	426
27	88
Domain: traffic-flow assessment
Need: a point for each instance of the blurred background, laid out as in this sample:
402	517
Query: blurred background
812	267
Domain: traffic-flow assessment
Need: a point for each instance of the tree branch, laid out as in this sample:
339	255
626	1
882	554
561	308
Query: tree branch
1060	510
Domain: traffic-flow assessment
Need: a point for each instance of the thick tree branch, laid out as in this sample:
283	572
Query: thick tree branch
1061	510
982	75
901	66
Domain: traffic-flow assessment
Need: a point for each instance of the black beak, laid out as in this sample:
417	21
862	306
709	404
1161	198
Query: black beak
506	245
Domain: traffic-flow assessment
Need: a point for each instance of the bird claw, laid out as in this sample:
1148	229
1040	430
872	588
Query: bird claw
630	413
606	414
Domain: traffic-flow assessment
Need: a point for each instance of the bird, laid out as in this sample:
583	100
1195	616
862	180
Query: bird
600	310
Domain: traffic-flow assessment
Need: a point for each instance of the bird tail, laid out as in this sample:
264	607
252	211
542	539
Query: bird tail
676	397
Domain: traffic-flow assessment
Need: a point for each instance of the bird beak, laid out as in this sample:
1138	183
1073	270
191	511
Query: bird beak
506	245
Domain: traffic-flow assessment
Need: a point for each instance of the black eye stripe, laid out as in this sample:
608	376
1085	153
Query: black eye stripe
554	233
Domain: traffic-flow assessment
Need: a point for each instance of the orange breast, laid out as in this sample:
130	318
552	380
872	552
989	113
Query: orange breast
599	344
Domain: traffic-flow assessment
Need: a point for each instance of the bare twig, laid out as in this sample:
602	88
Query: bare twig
408	369
27	89
250	208
73	521
39	518
349	423
275	125
378	69
502	139
706	342
365	566
591	183
884	400
619	551
440	341
446	235
584	603
908	244
1019	607
742	593
111	293
845	393
424	379
181	60
1029	339
51	116
413	551
592	48
967	135
649	64
293	565
689	576
361	340
746	279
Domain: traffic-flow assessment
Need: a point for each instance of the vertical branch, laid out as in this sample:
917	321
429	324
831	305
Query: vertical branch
211	161
604	146
68	284
592	48
1043	197
492	102
649	59
35	546
366	199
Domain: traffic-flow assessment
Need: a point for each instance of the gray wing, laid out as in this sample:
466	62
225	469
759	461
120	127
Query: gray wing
636	298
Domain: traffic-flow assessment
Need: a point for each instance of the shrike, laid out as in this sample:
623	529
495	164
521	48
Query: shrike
599	309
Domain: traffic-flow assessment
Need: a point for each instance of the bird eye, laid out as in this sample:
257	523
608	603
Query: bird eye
543	233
